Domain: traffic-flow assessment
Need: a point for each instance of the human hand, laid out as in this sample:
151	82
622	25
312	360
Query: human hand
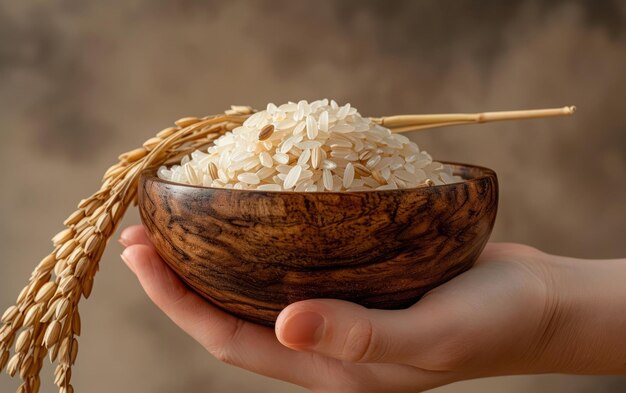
503	316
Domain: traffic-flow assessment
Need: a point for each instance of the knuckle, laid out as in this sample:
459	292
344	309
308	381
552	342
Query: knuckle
360	344
176	296
224	355
226	352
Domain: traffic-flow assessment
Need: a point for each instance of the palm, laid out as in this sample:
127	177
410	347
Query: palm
458	324
440	339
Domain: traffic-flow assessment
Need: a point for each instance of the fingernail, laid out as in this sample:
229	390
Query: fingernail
304	329
123	240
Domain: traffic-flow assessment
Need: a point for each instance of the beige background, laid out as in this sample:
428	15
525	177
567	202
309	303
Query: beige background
82	82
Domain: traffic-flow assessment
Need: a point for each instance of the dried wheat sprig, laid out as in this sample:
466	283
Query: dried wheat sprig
45	320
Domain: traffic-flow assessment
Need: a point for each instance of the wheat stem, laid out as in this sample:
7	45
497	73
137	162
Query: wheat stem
405	123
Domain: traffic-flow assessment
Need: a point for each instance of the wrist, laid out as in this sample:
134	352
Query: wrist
585	322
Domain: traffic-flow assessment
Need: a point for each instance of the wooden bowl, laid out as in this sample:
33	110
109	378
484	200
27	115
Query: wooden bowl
254	252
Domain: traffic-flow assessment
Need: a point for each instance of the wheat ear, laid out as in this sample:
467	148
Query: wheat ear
45	320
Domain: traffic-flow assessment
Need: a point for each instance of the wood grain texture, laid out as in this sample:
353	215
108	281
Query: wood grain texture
254	252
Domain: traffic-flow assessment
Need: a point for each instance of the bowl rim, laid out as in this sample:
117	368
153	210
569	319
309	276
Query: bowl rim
485	173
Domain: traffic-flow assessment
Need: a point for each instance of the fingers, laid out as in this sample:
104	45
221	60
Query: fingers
185	308
228	338
385	377
135	234
350	332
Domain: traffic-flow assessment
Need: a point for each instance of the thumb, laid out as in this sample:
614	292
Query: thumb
348	331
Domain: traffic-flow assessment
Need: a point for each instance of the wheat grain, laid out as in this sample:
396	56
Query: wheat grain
23	341
66	389
62	307
50	310
53	353
4	358
63	236
14	363
45	293
9	314
186	121
167	132
25	367
87	286
33	314
76	324
5	332
52	333
62	376
75	256
66	248
133	155
46	264
151	143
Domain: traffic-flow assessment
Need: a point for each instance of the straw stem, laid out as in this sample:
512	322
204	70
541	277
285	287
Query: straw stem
405	123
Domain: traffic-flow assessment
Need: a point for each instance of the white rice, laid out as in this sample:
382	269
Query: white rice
317	146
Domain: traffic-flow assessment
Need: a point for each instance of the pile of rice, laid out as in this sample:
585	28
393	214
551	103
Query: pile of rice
317	146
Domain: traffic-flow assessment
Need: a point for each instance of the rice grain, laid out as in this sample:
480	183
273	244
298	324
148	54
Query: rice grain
291	146
292	177
266	132
348	176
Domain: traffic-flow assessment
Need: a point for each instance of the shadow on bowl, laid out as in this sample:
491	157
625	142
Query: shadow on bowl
254	252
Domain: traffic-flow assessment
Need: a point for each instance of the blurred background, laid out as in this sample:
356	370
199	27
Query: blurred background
81	82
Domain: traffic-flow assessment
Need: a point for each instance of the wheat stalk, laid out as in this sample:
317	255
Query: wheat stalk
45	320
406	123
